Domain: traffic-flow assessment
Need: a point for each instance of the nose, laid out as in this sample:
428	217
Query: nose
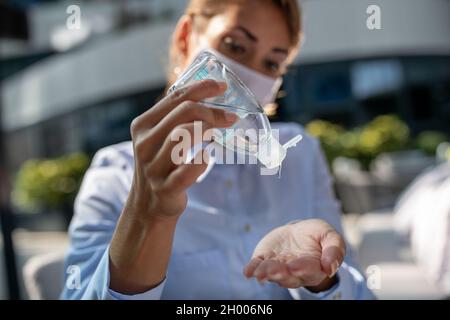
255	63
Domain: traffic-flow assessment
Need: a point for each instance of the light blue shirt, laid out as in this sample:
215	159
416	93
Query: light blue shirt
228	212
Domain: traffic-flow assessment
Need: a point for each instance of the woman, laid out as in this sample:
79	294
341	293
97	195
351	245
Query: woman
144	228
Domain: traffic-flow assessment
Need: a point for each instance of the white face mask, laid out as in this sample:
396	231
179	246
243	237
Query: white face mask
264	88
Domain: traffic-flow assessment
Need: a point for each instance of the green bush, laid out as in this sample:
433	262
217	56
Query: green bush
49	184
428	141
328	134
384	134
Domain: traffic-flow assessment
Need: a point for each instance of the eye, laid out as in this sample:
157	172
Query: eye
233	46
272	66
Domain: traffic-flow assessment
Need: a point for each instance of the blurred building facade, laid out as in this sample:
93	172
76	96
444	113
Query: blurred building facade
66	90
349	74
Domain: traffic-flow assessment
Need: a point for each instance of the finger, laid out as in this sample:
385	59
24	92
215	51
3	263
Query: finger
291	282
195	92
175	149
249	270
262	271
185	113
333	252
308	269
277	272
186	175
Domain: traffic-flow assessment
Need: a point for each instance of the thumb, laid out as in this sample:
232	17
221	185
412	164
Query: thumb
333	252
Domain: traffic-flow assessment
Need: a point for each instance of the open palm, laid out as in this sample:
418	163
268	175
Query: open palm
300	254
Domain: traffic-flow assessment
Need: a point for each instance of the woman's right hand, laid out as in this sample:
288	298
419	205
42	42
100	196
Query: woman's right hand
159	185
142	242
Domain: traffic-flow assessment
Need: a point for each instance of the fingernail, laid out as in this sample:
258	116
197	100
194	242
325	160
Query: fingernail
222	85
230	117
277	276
334	268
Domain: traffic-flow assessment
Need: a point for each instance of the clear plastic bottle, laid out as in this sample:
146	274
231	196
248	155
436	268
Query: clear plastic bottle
252	133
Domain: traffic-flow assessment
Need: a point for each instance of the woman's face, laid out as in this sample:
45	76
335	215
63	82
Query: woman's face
252	34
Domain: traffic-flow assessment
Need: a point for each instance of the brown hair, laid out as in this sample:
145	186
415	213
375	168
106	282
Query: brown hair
210	8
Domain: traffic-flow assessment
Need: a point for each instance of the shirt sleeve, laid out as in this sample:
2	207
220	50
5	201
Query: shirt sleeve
97	209
351	285
153	294
98	286
351	281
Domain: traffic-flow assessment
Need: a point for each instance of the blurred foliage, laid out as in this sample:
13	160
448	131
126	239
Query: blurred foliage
49	184
330	135
428	141
385	133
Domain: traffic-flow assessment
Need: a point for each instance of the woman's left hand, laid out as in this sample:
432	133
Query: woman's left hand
307	254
